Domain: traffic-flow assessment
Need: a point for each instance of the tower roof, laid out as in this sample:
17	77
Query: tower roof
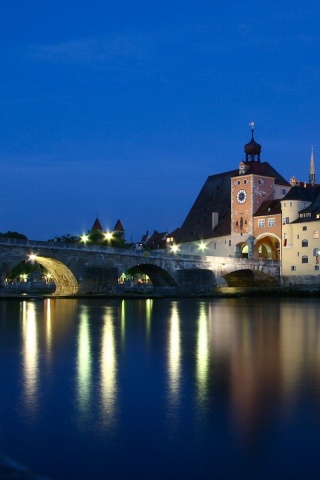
252	149
97	225
118	227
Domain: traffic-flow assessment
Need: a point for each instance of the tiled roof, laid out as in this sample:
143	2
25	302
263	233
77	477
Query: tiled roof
97	225
269	207
157	240
118	227
215	196
301	193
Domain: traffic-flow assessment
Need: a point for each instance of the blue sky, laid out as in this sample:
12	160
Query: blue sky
122	109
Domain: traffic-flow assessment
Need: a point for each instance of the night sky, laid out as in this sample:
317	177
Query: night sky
122	109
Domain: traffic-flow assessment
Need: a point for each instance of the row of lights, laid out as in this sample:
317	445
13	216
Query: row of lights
175	248
85	238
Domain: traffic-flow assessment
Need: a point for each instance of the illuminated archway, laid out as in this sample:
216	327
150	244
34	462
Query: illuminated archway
158	276
267	247
65	281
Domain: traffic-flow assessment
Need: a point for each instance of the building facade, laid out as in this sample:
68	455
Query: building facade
254	212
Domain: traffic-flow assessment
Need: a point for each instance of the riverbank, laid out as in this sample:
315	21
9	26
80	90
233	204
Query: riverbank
222	292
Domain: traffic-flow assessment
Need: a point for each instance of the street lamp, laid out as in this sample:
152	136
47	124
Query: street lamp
202	246
84	238
108	236
174	248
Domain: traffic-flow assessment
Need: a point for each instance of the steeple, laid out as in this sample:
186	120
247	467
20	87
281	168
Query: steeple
312	174
252	149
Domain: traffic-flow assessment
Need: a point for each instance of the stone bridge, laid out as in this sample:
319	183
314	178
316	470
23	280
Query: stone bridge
79	268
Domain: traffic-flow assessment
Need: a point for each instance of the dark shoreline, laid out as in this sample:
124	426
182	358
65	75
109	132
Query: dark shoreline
225	292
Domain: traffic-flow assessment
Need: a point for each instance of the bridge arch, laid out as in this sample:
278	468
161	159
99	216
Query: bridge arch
250	278
65	281
158	276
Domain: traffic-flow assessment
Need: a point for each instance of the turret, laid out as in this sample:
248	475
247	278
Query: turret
312	174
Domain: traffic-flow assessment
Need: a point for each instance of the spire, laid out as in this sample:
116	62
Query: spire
312	174
252	149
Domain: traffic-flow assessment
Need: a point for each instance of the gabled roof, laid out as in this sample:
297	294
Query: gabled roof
174	233
97	225
301	193
313	209
118	227
215	197
157	240
269	207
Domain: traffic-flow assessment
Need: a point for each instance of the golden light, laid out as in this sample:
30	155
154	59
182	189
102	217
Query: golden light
32	257
202	246
108	236
84	238
174	248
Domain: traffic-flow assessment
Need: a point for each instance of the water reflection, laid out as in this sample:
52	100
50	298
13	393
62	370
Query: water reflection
202	363
108	365
47	310
84	361
30	354
174	355
155	376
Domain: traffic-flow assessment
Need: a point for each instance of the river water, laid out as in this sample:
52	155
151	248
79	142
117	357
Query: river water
162	388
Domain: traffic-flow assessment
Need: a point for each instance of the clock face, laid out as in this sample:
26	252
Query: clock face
241	196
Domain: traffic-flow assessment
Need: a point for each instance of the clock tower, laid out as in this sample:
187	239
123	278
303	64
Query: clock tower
248	190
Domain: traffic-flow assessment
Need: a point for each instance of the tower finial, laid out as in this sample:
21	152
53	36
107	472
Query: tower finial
312	173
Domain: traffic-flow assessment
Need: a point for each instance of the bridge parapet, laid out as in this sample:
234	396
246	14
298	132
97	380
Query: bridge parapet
80	267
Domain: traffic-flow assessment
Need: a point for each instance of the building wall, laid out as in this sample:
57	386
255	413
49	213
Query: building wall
300	256
216	246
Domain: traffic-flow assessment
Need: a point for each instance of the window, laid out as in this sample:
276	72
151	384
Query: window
261	222
271	222
191	248
215	219
285	220
304	259
298	254
245	181
214	245
293	268
229	243
261	181
290	204
298	236
316	252
316	267
304	243
283	191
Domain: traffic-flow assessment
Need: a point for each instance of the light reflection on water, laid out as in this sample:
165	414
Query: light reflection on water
208	386
108	365
30	355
